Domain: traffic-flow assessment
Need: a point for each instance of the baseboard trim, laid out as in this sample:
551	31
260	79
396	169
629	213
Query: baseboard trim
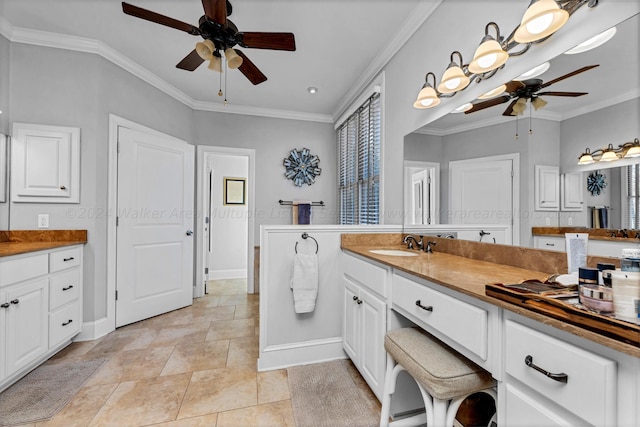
93	330
228	274
300	353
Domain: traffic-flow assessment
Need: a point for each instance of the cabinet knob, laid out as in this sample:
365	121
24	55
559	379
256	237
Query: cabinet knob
359	301
62	187
5	305
355	298
15	301
189	232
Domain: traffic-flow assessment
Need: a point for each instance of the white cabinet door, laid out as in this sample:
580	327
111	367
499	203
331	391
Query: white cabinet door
45	164
351	320
373	356
572	192
547	188
26	324
4	305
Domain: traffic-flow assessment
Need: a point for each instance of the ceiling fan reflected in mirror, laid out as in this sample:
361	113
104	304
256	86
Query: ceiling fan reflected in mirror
220	35
519	92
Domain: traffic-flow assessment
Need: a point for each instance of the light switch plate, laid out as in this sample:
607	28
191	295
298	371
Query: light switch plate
43	220
547	221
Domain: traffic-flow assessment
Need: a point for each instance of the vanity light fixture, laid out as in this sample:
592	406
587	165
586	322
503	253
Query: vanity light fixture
541	19
454	79
494	92
593	42
312	90
624	151
428	97
534	72
463	108
489	55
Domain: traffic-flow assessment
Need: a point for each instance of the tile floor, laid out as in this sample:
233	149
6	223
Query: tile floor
191	367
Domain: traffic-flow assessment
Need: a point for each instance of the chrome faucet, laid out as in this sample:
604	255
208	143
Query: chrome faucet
624	233
409	239
428	248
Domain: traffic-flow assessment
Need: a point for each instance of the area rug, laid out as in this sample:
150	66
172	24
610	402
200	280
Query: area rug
44	391
325	394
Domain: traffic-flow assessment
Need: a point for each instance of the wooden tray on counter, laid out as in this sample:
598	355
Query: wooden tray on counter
608	326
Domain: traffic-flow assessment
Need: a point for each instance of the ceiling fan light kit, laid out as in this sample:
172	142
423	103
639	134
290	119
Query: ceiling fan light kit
541	19
627	150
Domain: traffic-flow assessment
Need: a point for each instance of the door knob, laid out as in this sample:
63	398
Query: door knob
189	232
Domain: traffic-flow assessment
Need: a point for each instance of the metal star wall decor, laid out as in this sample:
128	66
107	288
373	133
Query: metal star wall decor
595	183
301	167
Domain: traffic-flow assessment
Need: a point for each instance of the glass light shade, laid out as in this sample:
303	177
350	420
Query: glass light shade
233	60
453	80
540	20
215	64
463	108
534	72
494	92
538	103
609	154
488	56
633	151
586	158
593	42
205	49
427	98
519	106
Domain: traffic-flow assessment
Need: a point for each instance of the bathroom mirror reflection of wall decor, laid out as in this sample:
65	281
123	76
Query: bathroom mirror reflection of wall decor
561	131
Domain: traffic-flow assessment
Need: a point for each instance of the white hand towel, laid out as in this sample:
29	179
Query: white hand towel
304	282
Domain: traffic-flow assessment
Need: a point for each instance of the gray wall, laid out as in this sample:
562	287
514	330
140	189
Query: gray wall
4	117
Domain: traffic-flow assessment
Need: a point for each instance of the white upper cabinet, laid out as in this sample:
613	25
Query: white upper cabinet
547	188
45	164
572	195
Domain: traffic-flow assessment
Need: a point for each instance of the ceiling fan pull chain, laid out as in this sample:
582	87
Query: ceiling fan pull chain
517	136
225	82
530	130
220	90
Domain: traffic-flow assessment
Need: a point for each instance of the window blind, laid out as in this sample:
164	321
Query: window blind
359	164
631	197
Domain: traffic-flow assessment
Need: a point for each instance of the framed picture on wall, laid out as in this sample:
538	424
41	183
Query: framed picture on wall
234	191
3	168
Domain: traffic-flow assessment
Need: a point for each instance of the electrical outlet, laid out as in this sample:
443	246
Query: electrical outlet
43	221
570	221
547	221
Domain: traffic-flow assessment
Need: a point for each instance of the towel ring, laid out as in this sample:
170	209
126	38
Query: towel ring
306	236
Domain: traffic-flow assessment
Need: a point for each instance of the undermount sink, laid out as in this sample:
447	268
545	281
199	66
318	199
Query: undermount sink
392	252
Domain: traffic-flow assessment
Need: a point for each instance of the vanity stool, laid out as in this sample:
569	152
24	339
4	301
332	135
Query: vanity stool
445	377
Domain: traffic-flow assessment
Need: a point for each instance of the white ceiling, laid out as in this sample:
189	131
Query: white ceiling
341	44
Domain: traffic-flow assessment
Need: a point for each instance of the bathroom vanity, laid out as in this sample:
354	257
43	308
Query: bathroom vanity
40	297
444	293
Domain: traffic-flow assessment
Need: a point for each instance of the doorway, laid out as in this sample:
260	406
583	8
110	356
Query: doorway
422	193
225	204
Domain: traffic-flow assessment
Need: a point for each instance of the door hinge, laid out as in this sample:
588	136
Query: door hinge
118	147
116	295
206	220
206	270
117	221
511	173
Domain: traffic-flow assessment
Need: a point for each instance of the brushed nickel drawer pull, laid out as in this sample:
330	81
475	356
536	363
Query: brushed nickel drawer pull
68	259
426	308
67	288
66	323
563	378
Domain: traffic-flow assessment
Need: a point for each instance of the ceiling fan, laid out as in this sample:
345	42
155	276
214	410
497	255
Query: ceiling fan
521	91
220	36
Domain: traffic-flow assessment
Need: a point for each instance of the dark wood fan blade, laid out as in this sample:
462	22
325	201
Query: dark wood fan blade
514	85
216	10
488	103
148	15
509	109
573	94
571	74
275	41
250	70
191	61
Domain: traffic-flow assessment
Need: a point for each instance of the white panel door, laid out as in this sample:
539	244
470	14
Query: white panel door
481	192
155	223
547	188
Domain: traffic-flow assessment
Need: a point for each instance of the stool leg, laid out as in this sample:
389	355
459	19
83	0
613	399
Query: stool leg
440	413
389	388
454	404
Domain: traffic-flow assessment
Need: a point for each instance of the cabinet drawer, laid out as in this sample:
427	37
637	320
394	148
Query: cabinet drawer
462	322
64	323
590	390
550	243
523	410
369	275
64	259
63	288
17	270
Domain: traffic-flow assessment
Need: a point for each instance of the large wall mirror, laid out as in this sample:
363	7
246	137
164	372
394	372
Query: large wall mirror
560	131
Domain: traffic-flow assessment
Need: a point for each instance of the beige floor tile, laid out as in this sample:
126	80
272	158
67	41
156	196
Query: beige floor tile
132	365
226	329
75	351
243	351
278	414
199	356
143	402
206	301
82	408
251	309
273	386
219	390
176	335
239	299
203	421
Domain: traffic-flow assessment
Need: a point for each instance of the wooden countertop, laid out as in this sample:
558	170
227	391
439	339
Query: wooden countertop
594	233
469	276
16	242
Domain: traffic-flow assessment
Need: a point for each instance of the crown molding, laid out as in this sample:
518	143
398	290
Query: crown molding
86	45
418	16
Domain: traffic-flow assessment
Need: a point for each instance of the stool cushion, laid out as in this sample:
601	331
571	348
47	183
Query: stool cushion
442	371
